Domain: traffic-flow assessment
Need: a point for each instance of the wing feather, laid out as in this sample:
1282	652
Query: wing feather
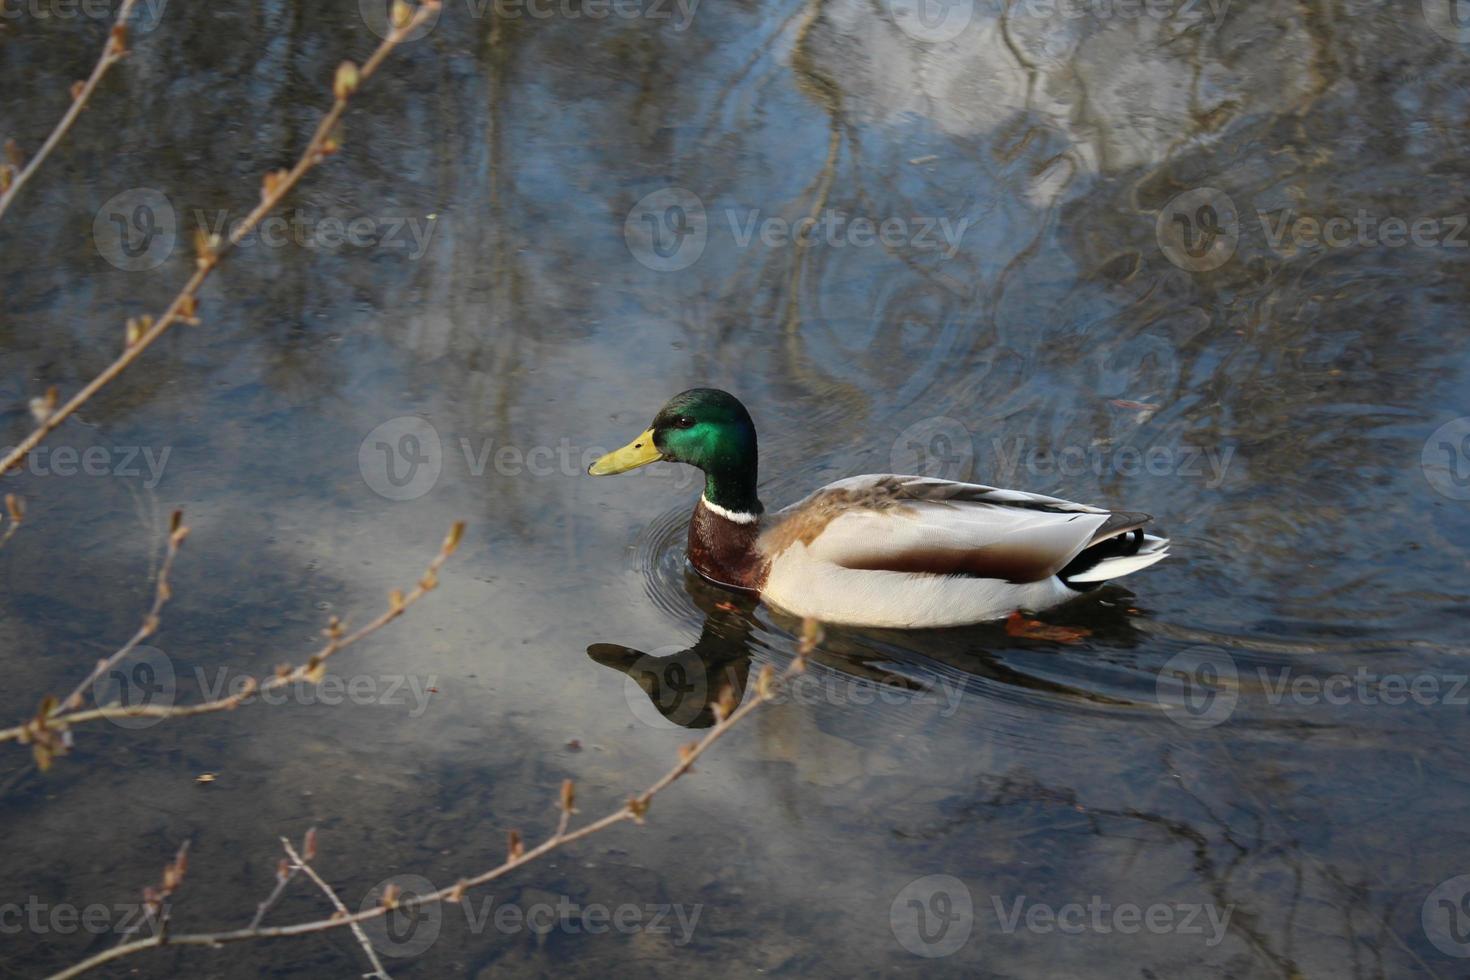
939	527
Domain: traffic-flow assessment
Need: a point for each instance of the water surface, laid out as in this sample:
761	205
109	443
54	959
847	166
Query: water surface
1024	322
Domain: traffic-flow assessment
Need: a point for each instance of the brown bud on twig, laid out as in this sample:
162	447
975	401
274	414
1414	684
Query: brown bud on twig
316	670
15	507
400	14
811	635
118	40
76	90
395	600
308	846
726	703
175	520
47	708
456	894
637	807
514	847
451	540
765	683
389	899
41	408
189	309
345	82
271	182
568	796
204	244
13	155
686	752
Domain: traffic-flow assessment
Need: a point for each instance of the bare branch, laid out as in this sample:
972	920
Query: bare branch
16	511
54	720
633	810
113	51
362	937
210	250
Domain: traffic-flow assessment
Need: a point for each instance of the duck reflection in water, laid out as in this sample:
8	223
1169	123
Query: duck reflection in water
683	686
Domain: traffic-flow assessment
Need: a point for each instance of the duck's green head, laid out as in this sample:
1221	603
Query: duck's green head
704	427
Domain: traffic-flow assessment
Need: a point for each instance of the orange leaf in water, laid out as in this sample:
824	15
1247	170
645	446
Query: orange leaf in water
1035	629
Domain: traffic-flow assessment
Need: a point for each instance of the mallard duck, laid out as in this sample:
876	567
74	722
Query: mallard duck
880	550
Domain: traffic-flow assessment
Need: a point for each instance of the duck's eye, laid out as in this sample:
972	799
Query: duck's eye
683	422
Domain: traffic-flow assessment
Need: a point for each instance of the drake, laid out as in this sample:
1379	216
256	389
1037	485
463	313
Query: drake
880	550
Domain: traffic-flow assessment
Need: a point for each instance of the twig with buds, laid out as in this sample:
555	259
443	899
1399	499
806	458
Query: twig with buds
13	176
727	714
298	863
142	332
49	732
15	510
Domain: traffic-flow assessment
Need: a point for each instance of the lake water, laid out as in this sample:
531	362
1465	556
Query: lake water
1202	260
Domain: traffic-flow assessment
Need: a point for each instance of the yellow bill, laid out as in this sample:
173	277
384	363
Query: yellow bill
639	452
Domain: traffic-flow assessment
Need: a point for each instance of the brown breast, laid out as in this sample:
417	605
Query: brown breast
724	551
